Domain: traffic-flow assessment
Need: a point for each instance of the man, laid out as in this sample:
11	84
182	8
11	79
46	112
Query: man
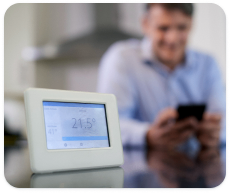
150	78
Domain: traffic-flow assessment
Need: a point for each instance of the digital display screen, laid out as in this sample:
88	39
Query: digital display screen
75	125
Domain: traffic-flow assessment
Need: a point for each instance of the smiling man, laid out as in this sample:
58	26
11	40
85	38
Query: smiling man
168	27
152	77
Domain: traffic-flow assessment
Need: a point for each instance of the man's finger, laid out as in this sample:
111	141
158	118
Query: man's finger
178	127
211	134
182	136
213	117
208	141
209	126
166	116
190	122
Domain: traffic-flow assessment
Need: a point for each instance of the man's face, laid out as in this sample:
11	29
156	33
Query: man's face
168	31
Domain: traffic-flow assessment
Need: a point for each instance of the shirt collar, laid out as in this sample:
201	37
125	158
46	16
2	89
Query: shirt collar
146	49
149	58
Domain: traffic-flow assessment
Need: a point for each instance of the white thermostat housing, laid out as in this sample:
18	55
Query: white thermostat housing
70	130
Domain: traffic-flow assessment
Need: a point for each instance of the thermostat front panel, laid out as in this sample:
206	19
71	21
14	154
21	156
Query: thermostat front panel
75	125
69	130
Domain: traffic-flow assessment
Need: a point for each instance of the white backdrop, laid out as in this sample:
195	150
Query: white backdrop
209	33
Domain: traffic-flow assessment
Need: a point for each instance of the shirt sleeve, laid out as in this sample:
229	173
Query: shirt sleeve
216	95
115	77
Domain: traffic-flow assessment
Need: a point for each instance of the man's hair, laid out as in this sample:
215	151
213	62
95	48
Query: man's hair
186	8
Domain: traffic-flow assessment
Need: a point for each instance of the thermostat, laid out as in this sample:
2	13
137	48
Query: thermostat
70	130
95	178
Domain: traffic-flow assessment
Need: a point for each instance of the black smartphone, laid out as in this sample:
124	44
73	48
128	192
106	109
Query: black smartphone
191	110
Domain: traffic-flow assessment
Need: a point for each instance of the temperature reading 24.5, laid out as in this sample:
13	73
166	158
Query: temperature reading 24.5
83	123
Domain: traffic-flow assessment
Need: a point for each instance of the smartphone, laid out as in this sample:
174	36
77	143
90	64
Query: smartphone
191	110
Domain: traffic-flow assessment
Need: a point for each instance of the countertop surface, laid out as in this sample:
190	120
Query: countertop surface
142	169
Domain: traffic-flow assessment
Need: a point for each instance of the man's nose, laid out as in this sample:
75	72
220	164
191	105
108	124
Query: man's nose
172	36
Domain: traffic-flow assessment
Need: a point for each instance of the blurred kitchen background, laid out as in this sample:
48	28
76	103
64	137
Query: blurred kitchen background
59	46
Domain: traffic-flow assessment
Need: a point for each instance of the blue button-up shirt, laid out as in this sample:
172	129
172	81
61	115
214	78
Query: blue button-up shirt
143	86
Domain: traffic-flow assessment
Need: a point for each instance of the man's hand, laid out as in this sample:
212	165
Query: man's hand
165	132
208	132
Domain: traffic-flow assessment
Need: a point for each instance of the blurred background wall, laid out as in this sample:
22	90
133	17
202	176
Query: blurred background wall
59	46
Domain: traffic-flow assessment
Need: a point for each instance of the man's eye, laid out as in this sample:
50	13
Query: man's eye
163	28
181	27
